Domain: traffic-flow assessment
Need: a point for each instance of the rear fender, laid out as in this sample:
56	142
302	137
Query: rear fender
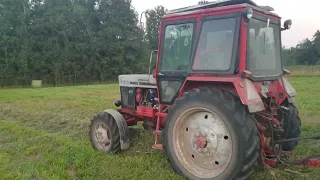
244	88
289	89
122	126
249	95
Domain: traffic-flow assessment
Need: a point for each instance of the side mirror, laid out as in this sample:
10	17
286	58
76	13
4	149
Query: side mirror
287	25
248	13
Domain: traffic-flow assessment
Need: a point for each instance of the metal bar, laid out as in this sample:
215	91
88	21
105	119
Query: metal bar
297	139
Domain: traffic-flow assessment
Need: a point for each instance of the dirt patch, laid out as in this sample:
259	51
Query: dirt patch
71	172
34	157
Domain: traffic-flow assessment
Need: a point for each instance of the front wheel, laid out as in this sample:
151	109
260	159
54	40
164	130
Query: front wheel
104	134
209	134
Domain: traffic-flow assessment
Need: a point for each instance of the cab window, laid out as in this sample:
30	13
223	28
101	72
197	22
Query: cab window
177	47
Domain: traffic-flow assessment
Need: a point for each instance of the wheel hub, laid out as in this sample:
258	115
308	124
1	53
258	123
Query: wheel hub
203	143
103	136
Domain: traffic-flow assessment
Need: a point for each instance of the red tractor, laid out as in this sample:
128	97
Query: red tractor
218	95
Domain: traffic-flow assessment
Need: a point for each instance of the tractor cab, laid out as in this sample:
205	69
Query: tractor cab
232	38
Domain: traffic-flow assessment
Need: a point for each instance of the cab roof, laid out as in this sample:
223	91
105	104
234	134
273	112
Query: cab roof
219	4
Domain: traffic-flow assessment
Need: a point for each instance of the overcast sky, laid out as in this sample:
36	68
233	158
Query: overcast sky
305	17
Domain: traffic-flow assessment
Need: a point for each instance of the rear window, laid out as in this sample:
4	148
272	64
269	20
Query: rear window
264	58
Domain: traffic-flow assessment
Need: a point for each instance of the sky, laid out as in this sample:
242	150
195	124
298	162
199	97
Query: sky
305	17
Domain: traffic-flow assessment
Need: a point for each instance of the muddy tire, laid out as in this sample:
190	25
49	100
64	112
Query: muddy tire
104	134
292	125
194	128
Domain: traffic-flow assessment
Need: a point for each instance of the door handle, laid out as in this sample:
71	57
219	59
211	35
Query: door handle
160	74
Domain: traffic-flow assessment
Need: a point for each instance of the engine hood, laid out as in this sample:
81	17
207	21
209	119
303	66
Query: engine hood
137	80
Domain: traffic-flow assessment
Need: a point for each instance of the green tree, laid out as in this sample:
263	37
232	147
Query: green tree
306	52
69	41
153	25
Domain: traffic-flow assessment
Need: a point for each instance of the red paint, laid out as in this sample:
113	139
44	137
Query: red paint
243	47
157	147
269	151
129	111
235	80
146	111
131	121
270	162
160	114
262	130
313	163
138	95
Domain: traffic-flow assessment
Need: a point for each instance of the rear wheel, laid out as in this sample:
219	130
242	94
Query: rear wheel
292	125
104	134
209	134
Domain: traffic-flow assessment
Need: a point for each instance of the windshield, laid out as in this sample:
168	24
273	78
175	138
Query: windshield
177	47
215	47
264	49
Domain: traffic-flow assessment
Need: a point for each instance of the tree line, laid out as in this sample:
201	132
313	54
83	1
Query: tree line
306	52
86	41
69	41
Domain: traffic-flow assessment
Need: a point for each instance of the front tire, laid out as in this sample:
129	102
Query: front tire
209	134
104	134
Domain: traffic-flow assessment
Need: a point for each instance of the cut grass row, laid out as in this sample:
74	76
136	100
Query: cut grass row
44	135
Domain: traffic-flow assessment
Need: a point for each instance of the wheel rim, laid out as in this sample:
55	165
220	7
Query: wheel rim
202	142
103	137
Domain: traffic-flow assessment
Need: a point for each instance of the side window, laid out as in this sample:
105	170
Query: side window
215	46
264	57
169	89
177	46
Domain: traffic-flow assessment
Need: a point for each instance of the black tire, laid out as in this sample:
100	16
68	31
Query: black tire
243	128
292	125
108	121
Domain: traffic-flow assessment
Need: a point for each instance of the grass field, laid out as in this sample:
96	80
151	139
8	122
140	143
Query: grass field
304	70
44	135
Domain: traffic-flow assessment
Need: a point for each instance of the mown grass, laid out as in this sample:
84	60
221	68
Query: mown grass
304	71
44	135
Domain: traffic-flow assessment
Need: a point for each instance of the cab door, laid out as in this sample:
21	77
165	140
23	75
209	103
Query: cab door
175	57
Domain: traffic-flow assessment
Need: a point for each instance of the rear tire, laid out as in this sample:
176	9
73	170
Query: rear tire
244	136
104	134
292	125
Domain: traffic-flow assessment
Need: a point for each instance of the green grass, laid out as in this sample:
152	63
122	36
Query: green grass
304	71
44	135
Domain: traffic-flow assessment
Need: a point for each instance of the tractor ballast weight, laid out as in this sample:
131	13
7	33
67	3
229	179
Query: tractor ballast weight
219	94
